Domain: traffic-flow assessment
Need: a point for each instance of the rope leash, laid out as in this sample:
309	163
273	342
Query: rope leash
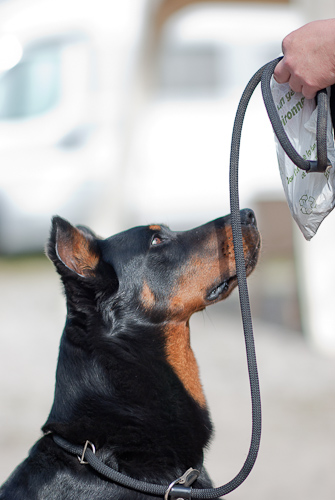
181	487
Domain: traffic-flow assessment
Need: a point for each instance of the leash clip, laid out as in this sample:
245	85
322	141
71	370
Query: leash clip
82	458
183	491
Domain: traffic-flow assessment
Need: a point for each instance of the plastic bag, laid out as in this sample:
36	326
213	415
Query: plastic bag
310	196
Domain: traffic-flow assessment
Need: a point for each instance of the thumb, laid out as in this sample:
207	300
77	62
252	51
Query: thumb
281	73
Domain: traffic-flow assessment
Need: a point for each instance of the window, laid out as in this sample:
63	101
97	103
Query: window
33	86
189	69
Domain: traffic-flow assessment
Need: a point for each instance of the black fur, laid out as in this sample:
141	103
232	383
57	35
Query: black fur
115	385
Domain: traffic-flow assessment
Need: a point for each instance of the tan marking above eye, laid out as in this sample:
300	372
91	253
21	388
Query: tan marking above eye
155	228
182	360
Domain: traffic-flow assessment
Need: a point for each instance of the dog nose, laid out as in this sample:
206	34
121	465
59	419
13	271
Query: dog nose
248	217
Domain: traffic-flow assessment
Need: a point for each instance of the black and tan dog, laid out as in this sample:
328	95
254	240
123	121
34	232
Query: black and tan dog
127	379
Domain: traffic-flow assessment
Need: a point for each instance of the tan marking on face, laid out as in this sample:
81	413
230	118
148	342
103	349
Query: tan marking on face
155	227
181	358
227	246
147	297
190	291
207	269
197	276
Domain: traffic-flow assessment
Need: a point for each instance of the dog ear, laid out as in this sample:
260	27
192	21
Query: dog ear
74	247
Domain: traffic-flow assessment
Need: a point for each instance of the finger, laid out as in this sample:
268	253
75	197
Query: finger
298	84
281	73
295	83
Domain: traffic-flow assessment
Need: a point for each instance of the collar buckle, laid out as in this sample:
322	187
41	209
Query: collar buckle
82	458
180	488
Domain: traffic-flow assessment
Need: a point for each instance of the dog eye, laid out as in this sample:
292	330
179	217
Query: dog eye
156	240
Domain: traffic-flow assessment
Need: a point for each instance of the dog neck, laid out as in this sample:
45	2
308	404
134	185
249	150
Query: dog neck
181	357
150	387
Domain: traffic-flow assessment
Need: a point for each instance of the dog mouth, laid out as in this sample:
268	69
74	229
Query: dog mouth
222	290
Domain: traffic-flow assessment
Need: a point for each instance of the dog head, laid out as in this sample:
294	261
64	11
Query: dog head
169	275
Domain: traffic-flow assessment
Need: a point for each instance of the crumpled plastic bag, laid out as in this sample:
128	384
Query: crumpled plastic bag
310	196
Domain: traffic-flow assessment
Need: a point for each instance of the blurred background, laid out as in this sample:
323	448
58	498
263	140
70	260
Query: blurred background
115	114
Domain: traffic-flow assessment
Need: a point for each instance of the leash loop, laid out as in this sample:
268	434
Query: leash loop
264	75
322	162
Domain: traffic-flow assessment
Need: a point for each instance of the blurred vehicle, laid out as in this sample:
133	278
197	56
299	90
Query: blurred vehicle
47	140
62	67
178	171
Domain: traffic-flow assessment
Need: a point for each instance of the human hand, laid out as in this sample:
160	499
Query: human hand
308	64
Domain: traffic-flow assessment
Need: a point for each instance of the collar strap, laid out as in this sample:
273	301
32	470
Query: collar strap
86	455
179	487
